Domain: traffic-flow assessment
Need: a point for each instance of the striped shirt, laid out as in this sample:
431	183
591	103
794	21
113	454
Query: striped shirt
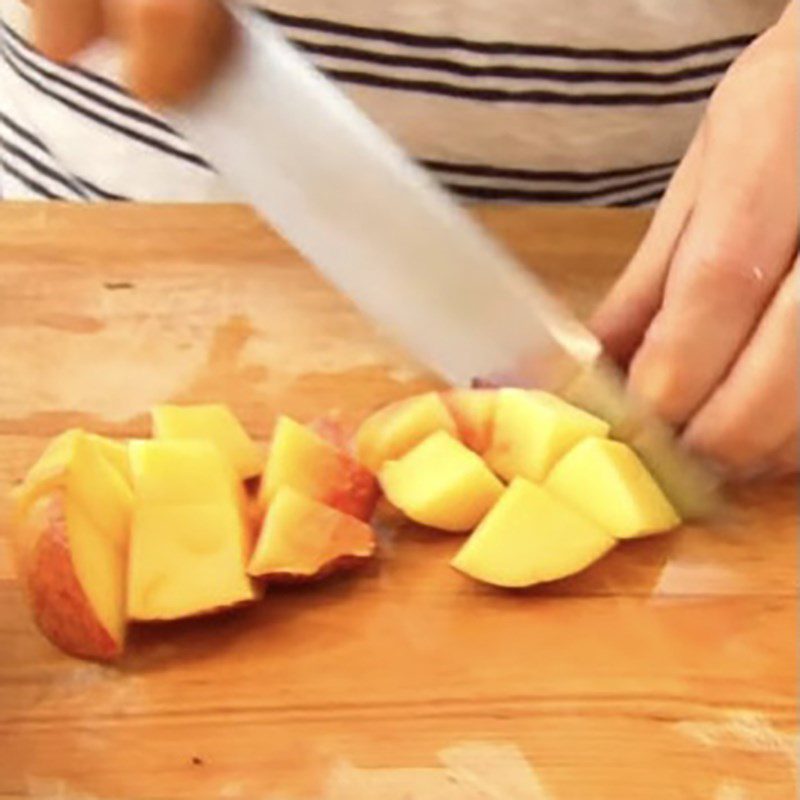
545	101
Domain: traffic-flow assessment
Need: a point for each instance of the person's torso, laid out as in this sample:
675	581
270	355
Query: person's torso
521	100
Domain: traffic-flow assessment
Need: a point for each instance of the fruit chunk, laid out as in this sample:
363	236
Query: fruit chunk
607	482
442	484
473	411
75	579
189	537
71	529
181	472
529	537
391	432
330	428
532	430
116	453
303	460
214	423
75	462
302	539
51	466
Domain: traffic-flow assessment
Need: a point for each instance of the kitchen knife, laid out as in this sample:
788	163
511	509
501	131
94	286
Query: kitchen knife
378	227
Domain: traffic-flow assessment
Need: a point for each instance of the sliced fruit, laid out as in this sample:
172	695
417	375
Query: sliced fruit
75	462
49	467
441	483
215	423
532	430
75	579
116	453
100	490
330	428
181	471
303	460
71	533
530	537
473	411
49	470
607	482
302	539
187	560
391	432
189	538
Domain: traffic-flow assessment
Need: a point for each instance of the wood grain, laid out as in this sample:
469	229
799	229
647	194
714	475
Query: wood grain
668	671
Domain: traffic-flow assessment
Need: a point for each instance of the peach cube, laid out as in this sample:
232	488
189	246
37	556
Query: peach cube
473	411
607	482
71	528
189	540
441	483
392	431
530	536
215	423
302	459
302	539
532	430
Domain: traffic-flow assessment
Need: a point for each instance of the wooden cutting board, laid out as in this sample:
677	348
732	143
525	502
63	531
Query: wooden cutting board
668	671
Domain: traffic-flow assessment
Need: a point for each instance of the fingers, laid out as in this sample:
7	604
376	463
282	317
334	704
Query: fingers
735	250
786	460
174	46
753	414
62	28
623	317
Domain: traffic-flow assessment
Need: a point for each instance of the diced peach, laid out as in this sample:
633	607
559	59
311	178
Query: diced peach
215	423
75	579
473	411
532	430
329	428
116	453
49	467
71	526
607	482
441	483
392	431
181	471
302	539
529	537
189	540
303	460
76	462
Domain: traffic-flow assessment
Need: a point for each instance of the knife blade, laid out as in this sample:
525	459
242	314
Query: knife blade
379	228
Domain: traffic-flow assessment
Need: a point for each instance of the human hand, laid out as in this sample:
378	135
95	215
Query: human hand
706	314
172	47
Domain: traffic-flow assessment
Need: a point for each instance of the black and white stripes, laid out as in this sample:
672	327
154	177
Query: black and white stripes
93	98
496	71
29	152
628	187
522	73
494	119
